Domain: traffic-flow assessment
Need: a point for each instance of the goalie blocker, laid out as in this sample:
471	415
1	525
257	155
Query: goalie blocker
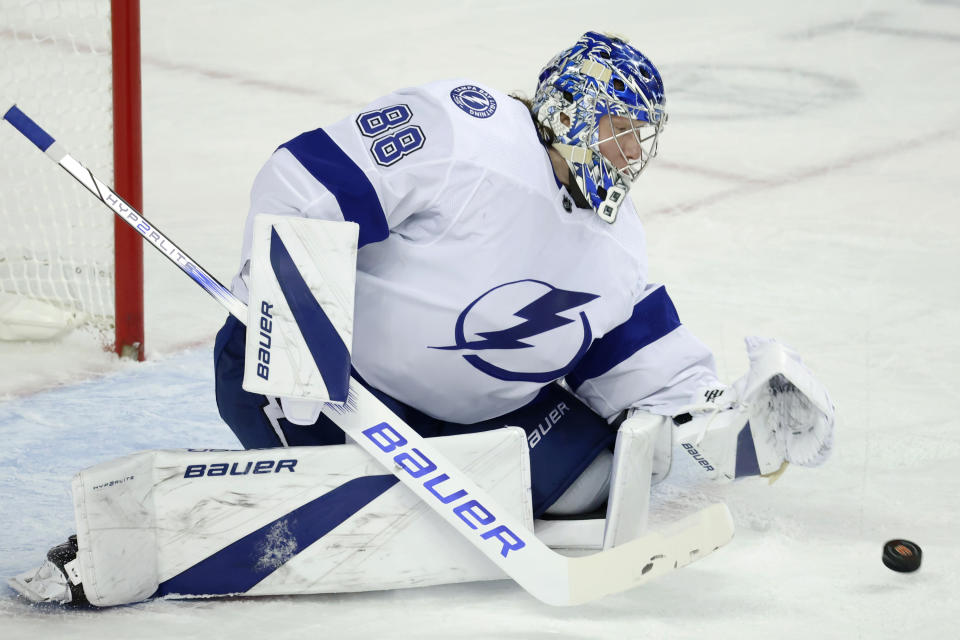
300	310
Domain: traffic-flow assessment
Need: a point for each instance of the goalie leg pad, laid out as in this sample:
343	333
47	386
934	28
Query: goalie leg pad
635	468
282	521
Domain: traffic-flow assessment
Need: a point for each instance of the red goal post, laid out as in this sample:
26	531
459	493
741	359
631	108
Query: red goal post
128	176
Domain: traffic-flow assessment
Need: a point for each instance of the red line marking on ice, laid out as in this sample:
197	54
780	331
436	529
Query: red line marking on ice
68	43
750	186
708	172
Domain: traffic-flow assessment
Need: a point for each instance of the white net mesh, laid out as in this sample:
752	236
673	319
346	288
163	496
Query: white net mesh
56	244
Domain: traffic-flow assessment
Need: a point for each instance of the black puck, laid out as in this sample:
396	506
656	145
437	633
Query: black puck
902	555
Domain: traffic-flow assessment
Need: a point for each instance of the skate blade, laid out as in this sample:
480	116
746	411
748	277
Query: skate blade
38	586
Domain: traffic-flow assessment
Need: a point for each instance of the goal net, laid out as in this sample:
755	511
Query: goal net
72	65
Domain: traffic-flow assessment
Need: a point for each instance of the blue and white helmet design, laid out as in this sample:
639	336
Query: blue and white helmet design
602	76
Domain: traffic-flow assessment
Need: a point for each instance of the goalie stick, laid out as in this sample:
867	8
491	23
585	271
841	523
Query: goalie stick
503	538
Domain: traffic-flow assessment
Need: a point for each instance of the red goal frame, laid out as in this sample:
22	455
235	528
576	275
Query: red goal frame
128	177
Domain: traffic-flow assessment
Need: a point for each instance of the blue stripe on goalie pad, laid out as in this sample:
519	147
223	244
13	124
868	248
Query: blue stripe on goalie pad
336	171
327	348
239	566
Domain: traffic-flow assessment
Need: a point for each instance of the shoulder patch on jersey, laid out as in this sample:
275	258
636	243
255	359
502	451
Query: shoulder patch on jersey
475	101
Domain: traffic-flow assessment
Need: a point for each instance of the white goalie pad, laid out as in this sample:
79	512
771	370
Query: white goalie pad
300	312
628	503
284	521
628	507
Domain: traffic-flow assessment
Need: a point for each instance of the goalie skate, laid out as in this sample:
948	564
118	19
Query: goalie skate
56	580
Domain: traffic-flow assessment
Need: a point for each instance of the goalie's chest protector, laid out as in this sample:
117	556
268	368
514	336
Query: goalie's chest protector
499	284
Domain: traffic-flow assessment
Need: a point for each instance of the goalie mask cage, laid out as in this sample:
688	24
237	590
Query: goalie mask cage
65	261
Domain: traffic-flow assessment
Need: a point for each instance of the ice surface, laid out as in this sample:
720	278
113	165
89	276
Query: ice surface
806	189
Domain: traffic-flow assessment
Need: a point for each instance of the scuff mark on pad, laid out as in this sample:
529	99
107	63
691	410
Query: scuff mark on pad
277	548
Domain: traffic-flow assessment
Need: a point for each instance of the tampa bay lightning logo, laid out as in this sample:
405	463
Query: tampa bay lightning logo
529	350
474	100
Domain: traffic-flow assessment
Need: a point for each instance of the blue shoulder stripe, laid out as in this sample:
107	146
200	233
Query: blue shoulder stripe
652	318
333	168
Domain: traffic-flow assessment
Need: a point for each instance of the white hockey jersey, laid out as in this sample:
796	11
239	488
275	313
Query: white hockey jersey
479	281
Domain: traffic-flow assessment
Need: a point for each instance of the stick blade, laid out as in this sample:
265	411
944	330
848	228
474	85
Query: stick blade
659	552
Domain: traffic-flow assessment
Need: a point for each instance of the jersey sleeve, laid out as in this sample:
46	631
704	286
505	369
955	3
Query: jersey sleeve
650	361
376	167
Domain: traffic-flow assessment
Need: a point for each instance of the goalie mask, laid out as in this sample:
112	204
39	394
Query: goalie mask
601	78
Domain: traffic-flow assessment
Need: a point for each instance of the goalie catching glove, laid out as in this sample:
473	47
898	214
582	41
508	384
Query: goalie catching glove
777	413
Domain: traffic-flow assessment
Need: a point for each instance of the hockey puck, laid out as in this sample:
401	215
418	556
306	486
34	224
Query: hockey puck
902	555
